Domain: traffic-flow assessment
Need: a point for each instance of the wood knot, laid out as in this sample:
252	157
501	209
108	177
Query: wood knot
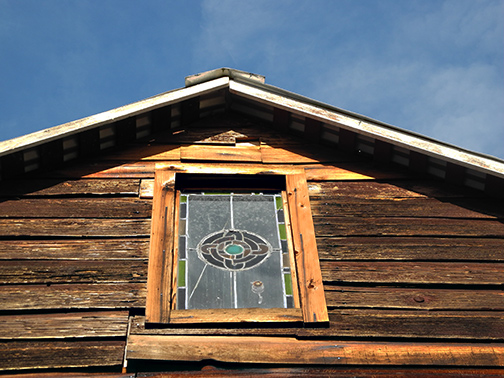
419	299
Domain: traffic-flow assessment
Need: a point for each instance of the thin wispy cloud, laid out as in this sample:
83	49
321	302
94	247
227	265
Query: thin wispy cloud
431	66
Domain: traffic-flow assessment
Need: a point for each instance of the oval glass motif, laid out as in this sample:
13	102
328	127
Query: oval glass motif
233	250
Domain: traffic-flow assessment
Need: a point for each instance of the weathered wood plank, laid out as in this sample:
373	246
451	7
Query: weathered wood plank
239	168
413	324
362	226
426	208
138	328
58	354
48	187
99	249
64	374
106	169
77	227
221	153
79	324
76	208
349	171
302	154
241	315
62	271
411	248
292	351
72	296
145	169
311	291
412	188
147	188
414	272
161	249
334	371
427	299
149	152
223	131
366	322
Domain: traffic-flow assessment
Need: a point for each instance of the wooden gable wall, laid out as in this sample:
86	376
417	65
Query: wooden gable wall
408	263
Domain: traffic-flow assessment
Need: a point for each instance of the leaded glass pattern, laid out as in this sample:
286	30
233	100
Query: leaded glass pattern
233	251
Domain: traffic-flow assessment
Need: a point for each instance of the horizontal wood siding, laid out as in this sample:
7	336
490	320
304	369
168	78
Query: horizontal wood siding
60	354
410	258
73	262
403	259
49	326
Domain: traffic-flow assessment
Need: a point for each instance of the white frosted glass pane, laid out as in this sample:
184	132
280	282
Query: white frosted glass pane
233	253
257	214
206	214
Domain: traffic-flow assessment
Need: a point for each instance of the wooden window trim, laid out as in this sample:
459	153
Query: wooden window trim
160	279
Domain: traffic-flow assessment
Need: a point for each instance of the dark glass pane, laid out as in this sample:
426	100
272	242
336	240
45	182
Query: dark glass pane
181	298
183	211
182	247
290	302
280	215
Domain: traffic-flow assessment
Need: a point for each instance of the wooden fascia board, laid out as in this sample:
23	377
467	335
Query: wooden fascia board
70	128
389	134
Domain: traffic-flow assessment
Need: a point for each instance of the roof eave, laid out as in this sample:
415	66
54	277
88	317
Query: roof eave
77	126
252	86
369	127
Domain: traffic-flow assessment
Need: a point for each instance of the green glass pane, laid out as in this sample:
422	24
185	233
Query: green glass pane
288	284
279	203
183	199
282	231
181	273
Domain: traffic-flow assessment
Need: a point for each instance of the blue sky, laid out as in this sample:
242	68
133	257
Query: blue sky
431	66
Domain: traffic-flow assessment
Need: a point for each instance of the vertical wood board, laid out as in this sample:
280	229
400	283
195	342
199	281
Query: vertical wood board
161	248
305	250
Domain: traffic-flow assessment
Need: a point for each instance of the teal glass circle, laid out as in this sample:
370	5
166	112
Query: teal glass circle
234	249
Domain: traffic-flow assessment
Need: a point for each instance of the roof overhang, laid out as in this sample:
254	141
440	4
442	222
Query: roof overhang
252	89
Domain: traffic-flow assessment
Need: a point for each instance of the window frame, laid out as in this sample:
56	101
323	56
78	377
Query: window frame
162	268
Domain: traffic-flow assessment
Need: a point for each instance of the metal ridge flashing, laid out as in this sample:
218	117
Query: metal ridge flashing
109	116
368	126
224	72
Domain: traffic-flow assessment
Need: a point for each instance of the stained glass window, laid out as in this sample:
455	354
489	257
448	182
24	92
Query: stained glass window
233	251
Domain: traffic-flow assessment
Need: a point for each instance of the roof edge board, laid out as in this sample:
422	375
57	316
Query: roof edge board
366	126
67	129
308	100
